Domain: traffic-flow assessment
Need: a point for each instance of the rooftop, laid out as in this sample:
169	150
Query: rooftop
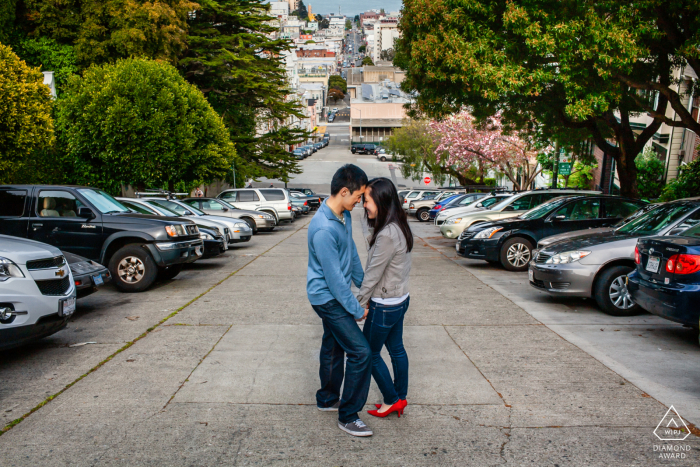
384	92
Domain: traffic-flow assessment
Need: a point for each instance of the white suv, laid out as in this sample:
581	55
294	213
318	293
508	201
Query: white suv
37	292
274	201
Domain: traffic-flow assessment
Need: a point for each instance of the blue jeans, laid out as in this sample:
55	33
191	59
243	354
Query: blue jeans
342	335
384	326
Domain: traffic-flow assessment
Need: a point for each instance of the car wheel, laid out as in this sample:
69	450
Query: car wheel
169	272
132	269
516	254
611	294
423	215
383	159
251	224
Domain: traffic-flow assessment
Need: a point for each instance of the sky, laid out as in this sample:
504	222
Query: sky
352	7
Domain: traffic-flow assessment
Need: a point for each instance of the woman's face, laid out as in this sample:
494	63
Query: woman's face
369	204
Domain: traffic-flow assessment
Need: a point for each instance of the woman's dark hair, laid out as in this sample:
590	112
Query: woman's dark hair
384	195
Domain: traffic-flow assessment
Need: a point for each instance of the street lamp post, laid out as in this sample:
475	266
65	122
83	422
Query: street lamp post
360	124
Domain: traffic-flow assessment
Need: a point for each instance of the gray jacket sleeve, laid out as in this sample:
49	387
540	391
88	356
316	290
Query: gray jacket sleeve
382	254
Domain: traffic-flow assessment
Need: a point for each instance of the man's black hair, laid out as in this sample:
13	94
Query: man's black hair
348	176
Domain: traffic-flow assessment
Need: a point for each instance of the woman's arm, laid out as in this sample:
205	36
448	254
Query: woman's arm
384	251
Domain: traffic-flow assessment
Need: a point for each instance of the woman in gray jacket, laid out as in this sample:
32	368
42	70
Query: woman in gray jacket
385	291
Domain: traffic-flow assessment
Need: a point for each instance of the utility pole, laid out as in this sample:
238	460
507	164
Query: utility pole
555	171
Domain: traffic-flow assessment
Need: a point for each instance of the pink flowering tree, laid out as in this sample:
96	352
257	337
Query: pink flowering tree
465	144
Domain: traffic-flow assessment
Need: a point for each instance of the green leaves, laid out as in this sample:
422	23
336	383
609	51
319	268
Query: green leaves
26	125
139	122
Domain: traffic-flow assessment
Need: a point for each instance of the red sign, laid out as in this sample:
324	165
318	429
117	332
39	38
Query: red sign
426	180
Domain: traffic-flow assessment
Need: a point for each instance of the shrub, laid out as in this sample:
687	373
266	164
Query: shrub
686	185
650	174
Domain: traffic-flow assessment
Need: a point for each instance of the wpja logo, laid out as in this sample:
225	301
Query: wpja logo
672	428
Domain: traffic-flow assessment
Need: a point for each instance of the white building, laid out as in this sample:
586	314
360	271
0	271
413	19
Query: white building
280	10
385	32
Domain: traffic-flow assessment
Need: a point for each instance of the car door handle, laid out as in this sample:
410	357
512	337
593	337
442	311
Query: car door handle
37	225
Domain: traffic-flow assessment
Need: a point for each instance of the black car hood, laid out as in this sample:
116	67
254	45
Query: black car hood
588	239
507	224
133	218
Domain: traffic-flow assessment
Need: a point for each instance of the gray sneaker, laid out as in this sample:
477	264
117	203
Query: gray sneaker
332	408
356	428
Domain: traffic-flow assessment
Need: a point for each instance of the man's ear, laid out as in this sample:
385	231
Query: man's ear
344	192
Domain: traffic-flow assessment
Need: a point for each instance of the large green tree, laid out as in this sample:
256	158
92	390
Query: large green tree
105	30
26	126
581	65
241	70
139	122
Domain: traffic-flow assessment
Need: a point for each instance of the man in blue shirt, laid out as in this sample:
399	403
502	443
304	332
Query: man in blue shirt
333	265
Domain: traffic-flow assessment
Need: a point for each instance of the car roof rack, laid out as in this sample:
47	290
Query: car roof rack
165	193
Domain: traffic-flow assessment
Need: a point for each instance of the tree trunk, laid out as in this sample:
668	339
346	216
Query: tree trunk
626	168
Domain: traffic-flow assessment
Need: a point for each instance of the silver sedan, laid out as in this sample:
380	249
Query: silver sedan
595	263
257	220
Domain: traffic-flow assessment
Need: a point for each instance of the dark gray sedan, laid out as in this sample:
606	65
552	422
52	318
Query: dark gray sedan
595	263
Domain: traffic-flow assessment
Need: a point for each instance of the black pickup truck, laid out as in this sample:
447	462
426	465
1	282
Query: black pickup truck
89	222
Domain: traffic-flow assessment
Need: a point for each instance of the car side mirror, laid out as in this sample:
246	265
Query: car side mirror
225	209
509	208
557	218
86	213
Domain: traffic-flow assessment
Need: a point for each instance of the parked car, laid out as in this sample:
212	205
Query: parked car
257	220
274	201
214	235
298	154
482	204
331	117
382	155
666	281
595	263
301	204
458	201
37	292
318	145
512	206
88	275
364	148
415	195
238	231
421	207
309	192
313	202
89	222
510	241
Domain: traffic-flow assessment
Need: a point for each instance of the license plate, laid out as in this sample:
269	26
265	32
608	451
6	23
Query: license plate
97	280
653	264
457	246
531	275
67	306
198	250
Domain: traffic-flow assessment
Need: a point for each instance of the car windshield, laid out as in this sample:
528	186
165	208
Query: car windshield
501	204
102	201
166	211
656	220
487	203
543	209
225	204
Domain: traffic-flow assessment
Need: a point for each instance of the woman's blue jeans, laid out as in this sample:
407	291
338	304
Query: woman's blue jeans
384	326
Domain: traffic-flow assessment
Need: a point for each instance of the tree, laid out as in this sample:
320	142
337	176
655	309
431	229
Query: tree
335	94
417	144
7	19
348	24
234	62
26	126
139	122
49	55
339	82
387	54
104	30
367	61
588	66
302	11
650	174
465	142
356	19
687	184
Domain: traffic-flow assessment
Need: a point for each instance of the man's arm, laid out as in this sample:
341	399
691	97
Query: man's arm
358	274
327	254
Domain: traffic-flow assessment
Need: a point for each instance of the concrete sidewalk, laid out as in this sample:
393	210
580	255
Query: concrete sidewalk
230	380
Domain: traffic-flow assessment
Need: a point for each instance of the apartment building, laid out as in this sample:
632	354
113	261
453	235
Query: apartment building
376	111
385	32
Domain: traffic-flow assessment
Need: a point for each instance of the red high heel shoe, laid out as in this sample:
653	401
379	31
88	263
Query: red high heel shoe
397	407
400	400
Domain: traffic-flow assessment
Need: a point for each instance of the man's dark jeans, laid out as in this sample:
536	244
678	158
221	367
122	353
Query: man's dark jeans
342	335
384	326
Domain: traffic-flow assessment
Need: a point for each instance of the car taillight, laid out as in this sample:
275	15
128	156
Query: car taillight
306	203
637	256
683	264
405	200
289	207
319	200
442	208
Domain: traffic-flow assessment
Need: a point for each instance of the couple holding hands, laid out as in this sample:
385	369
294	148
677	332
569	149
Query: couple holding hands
382	301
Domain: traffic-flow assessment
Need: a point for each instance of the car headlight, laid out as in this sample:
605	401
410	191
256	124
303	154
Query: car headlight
488	233
241	225
567	257
205	236
175	230
9	269
453	221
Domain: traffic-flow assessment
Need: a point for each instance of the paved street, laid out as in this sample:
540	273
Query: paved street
220	365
